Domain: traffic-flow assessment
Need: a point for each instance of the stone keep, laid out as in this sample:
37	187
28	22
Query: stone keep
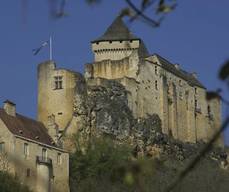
154	86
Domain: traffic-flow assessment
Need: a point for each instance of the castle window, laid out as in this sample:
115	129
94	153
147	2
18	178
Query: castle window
2	147
58	82
195	90
110	41
59	159
27	172
156	85
44	154
26	150
156	70
209	110
196	104
120	41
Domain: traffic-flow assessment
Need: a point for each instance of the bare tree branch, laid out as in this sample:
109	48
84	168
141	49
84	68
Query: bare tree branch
141	14
149	4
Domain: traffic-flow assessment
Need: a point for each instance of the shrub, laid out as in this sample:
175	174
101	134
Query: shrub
11	184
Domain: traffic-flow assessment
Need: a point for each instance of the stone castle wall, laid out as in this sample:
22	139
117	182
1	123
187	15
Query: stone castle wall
114	50
58	102
182	107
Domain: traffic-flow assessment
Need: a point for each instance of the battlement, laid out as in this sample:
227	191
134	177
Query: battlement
114	50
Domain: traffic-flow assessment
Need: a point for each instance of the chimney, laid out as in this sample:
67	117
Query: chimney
194	74
10	108
177	66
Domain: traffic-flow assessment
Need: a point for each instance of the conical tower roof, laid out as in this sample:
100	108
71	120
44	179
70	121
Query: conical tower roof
117	31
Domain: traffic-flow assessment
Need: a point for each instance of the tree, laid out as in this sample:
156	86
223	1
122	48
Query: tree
10	184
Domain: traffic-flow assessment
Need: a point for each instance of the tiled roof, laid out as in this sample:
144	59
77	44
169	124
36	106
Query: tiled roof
27	128
117	31
179	72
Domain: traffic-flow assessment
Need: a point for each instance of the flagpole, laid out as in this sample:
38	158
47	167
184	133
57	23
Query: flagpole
50	48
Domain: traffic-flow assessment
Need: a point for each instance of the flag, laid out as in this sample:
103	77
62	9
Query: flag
37	50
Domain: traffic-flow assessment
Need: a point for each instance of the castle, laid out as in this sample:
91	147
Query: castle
149	85
154	86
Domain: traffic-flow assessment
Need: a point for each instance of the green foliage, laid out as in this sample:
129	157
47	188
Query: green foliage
10	184
98	160
108	166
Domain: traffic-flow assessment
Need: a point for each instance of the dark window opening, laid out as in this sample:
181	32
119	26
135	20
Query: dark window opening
27	172
209	110
156	85
156	70
195	104
58	82
60	113
195	90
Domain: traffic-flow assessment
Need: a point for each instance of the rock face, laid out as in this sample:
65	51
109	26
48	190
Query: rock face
101	108
147	128
108	106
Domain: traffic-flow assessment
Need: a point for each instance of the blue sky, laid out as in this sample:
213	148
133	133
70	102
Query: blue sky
195	35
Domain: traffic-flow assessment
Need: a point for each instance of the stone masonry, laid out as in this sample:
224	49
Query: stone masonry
151	85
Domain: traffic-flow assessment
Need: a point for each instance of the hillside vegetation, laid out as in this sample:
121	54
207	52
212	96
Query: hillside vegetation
108	166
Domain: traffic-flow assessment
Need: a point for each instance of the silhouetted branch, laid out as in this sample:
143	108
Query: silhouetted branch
141	14
143	8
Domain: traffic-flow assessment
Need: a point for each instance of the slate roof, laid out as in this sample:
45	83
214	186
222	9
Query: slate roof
143	51
117	31
26	127
179	72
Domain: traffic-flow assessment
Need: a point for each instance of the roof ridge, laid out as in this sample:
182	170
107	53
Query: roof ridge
181	72
26	127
